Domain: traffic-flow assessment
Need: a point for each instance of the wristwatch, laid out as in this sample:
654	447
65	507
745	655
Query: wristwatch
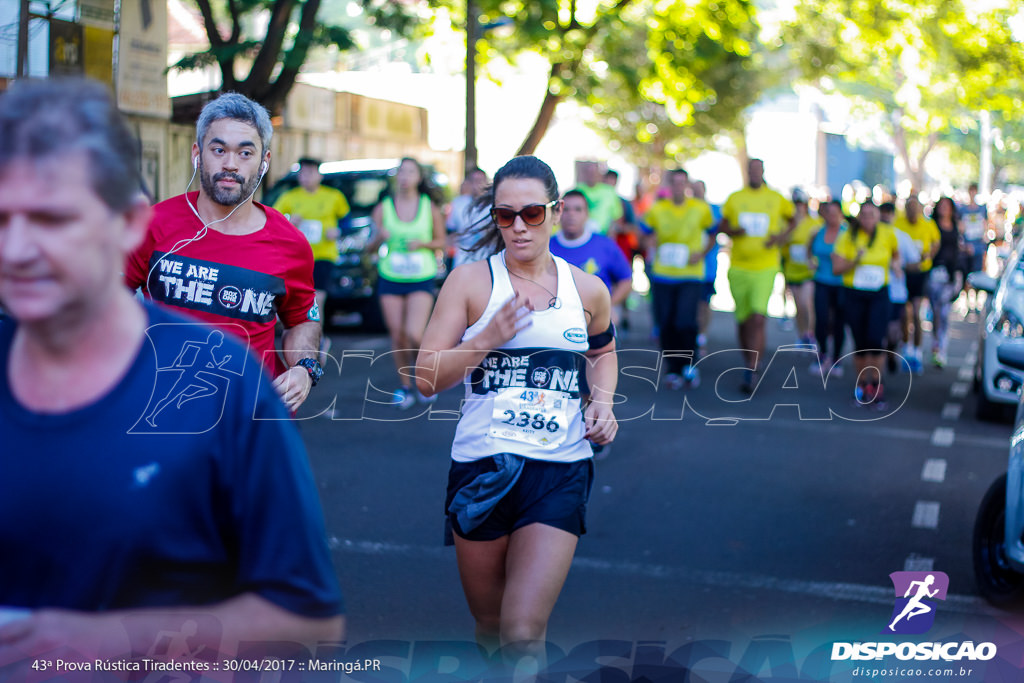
313	368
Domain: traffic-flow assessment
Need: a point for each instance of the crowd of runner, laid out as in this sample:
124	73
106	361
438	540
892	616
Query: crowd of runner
525	323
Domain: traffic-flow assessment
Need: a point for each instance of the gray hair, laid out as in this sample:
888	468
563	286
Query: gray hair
231	105
48	119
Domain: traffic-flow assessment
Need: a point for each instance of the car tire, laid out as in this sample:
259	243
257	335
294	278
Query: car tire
987	410
997	581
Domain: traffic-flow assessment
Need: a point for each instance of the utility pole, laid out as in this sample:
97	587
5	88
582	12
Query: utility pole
22	68
472	33
985	157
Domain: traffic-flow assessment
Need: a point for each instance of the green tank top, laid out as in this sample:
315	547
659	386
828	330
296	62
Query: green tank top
400	264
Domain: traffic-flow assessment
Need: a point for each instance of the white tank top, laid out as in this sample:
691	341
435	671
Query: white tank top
524	397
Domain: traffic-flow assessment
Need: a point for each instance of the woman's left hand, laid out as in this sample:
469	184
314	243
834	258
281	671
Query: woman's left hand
600	423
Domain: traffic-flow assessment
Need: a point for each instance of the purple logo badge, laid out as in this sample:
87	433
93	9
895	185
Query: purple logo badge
916	593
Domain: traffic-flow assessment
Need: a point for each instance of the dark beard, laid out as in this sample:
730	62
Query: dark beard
223	196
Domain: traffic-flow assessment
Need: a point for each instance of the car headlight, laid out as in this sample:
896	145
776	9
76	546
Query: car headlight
354	242
1008	325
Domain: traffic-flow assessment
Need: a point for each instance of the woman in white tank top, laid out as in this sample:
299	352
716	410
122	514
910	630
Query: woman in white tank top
519	330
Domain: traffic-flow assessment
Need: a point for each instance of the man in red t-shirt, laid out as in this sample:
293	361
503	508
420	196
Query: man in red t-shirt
230	261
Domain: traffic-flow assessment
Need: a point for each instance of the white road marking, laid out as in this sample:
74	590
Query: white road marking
943	436
966	373
926	515
874	594
934	470
840	427
916	563
959	389
951	411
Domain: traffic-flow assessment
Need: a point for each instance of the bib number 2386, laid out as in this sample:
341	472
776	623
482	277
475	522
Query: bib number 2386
534	416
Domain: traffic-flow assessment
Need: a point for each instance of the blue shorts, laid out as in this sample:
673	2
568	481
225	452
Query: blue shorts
551	493
393	288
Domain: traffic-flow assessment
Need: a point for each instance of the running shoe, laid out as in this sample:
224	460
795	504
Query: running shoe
425	399
837	371
403	398
939	359
691	376
673	381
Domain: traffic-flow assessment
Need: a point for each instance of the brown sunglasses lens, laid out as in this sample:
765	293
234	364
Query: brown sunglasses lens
531	215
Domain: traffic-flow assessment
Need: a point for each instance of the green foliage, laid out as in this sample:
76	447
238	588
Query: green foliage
923	65
294	27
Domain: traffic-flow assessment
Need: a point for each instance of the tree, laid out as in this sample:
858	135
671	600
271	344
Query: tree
920	65
587	44
964	145
682	82
293	28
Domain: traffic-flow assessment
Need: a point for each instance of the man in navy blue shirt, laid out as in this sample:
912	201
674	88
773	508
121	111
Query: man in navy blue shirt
151	483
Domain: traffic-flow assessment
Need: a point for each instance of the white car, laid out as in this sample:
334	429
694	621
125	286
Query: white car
997	385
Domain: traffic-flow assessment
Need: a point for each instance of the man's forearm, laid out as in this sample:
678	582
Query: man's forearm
301	341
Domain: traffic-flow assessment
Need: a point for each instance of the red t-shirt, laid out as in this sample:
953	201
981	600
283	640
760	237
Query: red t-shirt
240	283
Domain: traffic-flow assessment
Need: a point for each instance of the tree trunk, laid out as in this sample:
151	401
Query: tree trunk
544	116
540	124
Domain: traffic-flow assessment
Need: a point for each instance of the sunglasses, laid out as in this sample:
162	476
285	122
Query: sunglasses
534	214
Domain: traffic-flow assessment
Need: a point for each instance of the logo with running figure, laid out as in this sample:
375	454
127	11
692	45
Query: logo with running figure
190	386
916	593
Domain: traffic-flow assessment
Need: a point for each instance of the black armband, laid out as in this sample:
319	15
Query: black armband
603	339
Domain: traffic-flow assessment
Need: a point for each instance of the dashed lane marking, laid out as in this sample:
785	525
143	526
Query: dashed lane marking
959	389
934	470
951	411
926	515
943	436
916	563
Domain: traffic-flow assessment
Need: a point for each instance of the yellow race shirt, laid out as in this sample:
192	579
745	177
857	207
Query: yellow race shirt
681	232
873	271
761	213
795	256
320	211
925	235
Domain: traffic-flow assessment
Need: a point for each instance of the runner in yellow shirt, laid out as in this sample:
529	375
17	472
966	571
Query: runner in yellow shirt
678	238
797	269
926	237
758	219
315	210
863	256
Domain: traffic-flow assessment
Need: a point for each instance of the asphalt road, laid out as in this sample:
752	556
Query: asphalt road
766	524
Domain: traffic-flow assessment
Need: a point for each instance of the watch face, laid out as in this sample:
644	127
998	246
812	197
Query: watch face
313	367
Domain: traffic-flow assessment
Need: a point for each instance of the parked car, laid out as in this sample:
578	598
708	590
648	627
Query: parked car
997	384
364	182
998	542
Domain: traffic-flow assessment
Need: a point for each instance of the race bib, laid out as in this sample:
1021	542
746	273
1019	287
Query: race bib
674	255
408	264
798	253
754	224
974	227
869	278
313	230
535	416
